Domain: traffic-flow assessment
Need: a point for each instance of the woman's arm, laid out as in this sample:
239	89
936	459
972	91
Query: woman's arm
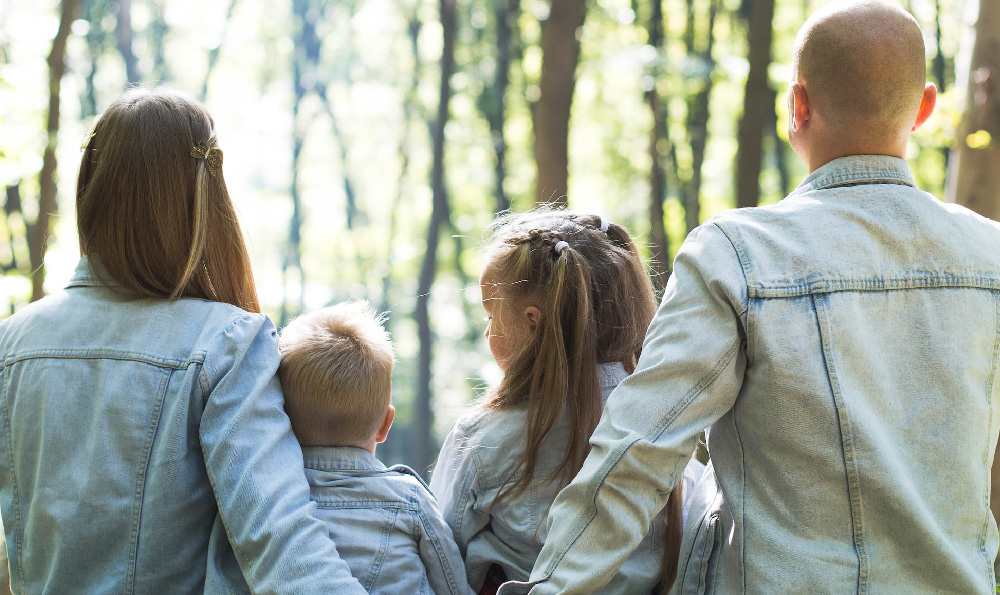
255	466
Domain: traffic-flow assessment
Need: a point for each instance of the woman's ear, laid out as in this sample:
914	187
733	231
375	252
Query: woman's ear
533	315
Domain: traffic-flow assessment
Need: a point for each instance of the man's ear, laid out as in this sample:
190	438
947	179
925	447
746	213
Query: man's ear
927	103
799	108
533	315
383	430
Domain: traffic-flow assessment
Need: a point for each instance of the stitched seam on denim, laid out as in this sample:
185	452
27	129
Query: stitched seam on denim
161	362
743	500
382	551
329	504
140	480
18	528
718	557
995	361
847	444
745	261
814	286
684	561
706	553
466	501
428	531
699	387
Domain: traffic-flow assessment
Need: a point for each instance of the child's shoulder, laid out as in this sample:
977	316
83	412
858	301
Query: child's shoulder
489	426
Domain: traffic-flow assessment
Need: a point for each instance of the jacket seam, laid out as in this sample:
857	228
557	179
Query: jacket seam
383	550
814	286
743	498
745	263
140	482
18	532
428	533
176	364
847	444
995	361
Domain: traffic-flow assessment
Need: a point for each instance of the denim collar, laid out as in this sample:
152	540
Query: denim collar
855	170
90	273
340	458
611	374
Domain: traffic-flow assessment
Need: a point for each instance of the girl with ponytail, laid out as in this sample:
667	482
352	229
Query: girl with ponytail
568	303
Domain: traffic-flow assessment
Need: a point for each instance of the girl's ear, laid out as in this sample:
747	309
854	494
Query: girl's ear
533	315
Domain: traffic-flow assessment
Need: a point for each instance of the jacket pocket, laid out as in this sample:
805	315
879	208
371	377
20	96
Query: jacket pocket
700	575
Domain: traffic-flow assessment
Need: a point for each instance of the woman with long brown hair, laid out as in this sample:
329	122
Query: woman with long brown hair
144	444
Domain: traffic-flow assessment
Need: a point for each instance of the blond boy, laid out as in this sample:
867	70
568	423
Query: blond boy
336	372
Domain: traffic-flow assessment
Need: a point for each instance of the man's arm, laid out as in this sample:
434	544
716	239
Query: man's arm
689	375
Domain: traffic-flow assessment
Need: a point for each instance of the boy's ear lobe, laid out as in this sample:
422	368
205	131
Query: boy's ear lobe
533	315
383	431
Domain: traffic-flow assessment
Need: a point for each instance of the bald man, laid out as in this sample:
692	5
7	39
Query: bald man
841	347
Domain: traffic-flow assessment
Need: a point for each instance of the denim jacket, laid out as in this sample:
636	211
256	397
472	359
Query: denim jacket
843	346
385	523
145	449
477	458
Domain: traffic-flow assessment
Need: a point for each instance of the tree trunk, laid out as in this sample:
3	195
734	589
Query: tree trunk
423	418
213	54
158	30
292	261
125	41
560	55
698	126
757	104
658	139
504	12
39	231
939	67
974	174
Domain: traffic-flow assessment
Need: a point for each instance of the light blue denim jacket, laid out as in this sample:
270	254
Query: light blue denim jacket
477	458
145	449
843	345
385	523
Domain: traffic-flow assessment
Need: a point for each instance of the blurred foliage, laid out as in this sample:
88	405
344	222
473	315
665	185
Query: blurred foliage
374	130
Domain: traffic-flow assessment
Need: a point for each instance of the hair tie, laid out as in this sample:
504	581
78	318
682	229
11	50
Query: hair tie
604	224
211	154
560	246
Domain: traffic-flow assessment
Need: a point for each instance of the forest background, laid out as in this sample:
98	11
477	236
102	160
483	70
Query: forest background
368	143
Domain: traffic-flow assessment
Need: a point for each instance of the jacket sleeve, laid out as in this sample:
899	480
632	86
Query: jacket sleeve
454	483
438	552
688	377
255	466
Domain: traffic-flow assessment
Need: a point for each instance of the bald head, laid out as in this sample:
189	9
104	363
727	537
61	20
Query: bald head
862	64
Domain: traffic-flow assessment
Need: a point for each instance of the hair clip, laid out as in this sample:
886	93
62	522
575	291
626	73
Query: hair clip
604	224
87	138
561	245
211	155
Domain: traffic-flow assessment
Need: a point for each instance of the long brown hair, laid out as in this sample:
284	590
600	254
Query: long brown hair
596	302
152	204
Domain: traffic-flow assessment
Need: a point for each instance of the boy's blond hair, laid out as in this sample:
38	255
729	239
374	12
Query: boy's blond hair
336	373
